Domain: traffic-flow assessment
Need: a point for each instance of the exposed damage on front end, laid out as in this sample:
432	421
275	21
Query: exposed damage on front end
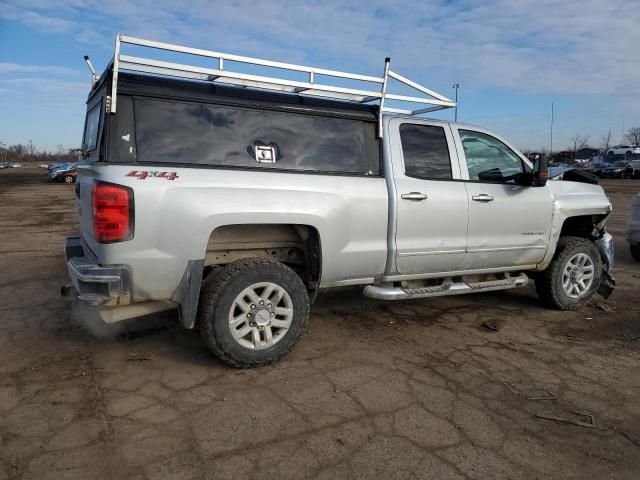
581	208
604	242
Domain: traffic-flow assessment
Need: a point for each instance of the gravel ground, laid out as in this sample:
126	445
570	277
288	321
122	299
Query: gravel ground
419	389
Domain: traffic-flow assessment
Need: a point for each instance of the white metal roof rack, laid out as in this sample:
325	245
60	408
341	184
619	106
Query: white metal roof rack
428	99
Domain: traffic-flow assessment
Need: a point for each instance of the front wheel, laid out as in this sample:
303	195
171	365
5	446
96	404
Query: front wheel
572	278
252	312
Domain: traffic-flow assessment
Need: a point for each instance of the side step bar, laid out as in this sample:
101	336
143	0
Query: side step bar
402	293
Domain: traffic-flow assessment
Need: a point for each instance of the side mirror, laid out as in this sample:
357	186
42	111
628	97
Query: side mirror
540	172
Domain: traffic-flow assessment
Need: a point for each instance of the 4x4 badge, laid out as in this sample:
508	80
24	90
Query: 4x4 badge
142	174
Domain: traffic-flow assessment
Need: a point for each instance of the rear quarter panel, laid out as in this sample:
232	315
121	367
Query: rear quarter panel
174	219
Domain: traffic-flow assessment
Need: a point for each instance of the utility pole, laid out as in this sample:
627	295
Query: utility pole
551	134
456	86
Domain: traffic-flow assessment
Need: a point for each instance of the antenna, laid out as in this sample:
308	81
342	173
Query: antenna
94	75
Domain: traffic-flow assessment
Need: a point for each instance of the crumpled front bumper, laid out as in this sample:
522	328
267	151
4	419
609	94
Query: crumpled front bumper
95	284
607	282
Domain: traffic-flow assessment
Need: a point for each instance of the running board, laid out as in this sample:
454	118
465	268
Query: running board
402	293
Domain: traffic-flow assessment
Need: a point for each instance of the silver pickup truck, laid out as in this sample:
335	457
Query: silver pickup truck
206	191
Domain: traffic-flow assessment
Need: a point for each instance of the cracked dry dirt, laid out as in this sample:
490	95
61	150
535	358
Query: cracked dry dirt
414	390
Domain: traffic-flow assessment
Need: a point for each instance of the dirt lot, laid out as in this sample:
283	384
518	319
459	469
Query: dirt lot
374	390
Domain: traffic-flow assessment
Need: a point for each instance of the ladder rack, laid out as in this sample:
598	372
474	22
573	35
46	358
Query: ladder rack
428	99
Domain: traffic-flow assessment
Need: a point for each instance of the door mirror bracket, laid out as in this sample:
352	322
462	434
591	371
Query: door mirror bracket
540	172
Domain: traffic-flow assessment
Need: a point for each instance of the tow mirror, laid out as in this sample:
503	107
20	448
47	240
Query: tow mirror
540	172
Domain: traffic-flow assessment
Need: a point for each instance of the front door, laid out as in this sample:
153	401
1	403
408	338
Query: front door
509	223
432	205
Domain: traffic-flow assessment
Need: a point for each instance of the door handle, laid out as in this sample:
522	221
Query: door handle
483	197
414	196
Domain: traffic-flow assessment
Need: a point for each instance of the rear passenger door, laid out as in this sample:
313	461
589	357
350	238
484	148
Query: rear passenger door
432	207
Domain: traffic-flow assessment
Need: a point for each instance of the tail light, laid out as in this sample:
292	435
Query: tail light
112	212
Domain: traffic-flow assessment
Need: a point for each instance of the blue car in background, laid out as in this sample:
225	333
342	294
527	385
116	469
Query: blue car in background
63	172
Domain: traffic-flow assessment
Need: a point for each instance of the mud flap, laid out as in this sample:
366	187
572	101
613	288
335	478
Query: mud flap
607	285
187	294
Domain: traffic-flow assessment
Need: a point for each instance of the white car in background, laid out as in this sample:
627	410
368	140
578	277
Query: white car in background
626	150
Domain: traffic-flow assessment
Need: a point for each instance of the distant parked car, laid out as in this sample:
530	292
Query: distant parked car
633	233
5	165
43	165
633	169
597	168
626	150
16	165
57	166
64	175
614	170
581	162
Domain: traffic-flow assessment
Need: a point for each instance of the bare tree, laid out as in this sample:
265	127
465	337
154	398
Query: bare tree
18	152
578	142
633	136
606	142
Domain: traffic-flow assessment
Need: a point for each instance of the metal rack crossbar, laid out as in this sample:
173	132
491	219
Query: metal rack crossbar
431	100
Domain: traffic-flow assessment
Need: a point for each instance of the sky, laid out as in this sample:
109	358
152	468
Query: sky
512	58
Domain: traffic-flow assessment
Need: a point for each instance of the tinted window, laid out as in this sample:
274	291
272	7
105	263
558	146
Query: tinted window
425	151
488	159
194	133
91	127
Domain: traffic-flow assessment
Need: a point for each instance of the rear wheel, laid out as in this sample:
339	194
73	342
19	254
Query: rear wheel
68	179
635	251
573	276
252	312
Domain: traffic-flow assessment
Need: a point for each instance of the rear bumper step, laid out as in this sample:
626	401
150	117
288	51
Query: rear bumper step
95	284
458	288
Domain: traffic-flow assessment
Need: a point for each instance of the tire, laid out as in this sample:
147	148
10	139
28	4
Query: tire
227	288
68	179
635	251
550	283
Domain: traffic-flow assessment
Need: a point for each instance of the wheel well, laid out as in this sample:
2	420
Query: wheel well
297	246
581	226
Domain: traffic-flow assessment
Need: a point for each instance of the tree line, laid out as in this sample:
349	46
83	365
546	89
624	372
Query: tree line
580	142
20	153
